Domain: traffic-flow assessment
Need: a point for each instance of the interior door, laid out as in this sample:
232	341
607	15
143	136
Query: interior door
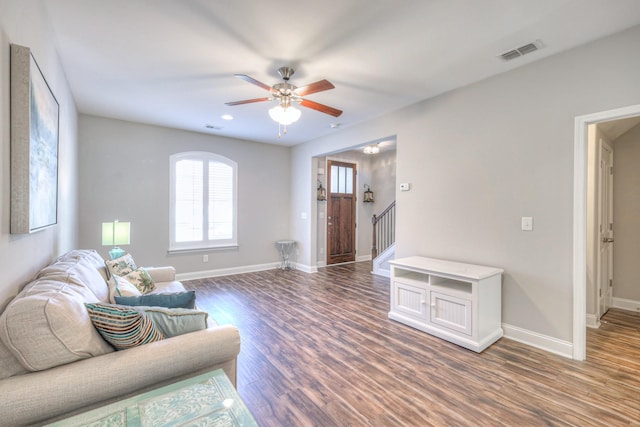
605	279
341	212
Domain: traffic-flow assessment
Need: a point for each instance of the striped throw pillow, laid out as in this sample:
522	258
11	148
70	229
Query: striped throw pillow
123	327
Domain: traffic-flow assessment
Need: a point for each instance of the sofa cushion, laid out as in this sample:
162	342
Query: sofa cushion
176	321
86	268
9	365
47	324
122	326
166	287
185	299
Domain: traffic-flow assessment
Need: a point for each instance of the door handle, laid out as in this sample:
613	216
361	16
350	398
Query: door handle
607	240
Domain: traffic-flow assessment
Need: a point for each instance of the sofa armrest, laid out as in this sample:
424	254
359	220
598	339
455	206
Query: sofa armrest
34	397
162	274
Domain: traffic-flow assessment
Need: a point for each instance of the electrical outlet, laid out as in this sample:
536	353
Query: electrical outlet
527	223
205	258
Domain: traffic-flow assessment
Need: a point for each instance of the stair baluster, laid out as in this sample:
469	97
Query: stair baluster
384	230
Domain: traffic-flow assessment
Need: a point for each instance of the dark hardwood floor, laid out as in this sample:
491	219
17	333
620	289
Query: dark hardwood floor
318	350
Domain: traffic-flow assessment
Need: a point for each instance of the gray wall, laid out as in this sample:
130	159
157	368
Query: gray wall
481	157
626	215
124	174
383	178
25	23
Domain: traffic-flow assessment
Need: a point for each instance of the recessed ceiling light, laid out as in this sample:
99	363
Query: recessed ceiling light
226	117
335	125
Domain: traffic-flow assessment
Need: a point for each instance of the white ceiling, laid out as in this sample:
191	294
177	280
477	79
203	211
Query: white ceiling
171	63
616	128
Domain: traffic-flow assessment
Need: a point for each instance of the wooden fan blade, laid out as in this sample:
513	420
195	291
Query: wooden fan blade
253	81
314	87
321	107
247	101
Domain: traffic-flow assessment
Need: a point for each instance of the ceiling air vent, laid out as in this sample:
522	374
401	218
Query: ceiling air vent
522	50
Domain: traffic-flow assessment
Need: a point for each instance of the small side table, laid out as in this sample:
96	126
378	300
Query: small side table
286	248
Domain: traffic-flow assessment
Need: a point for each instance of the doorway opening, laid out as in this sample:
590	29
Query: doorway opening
376	172
580	226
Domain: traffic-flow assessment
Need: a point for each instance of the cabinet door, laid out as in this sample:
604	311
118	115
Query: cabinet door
410	300
451	312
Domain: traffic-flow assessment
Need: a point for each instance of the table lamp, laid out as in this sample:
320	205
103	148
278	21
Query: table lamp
115	233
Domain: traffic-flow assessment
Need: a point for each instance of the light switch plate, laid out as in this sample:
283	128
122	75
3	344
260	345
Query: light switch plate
405	186
527	223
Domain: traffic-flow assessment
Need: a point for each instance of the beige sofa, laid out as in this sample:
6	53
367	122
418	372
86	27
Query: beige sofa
54	363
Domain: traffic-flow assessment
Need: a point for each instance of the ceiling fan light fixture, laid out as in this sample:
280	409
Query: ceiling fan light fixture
284	116
371	149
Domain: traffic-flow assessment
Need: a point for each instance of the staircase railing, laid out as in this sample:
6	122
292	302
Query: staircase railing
384	230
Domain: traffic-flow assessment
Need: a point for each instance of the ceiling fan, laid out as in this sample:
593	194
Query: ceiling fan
286	93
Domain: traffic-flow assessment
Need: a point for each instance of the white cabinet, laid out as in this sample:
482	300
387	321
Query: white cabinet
457	302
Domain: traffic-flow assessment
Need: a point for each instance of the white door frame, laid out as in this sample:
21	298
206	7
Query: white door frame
580	220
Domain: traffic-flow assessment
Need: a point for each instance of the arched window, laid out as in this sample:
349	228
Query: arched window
203	201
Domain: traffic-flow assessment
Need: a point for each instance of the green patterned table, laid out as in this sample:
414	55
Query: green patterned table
206	400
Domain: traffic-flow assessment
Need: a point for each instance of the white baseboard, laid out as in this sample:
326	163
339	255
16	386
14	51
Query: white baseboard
239	270
383	273
226	271
543	342
307	268
362	258
593	321
626	304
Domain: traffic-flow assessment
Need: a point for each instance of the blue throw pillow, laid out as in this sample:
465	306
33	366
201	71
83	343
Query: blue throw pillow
185	299
176	321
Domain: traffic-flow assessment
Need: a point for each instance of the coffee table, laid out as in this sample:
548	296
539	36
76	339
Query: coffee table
206	400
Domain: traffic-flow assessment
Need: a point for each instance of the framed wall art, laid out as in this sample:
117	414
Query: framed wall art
34	146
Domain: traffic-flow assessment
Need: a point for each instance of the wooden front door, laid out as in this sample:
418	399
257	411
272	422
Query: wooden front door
341	212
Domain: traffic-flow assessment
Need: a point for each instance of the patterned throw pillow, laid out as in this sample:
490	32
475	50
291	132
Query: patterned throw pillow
141	279
123	327
121	266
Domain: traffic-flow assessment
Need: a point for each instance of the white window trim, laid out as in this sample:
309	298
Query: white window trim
181	247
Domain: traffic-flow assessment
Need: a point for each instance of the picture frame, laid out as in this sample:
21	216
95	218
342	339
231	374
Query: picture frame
34	146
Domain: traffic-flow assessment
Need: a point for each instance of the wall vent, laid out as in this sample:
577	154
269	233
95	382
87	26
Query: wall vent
522	50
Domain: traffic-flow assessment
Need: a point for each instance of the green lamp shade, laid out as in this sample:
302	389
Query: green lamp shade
116	233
